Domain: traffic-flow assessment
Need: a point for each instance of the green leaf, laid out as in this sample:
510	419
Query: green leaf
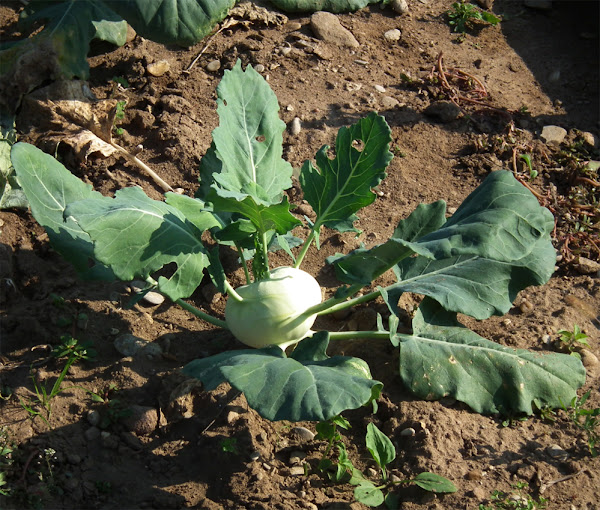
321	5
477	286
342	186
11	194
49	187
245	159
434	483
275	217
137	236
364	266
379	445
183	22
443	358
194	211
367	494
500	220
286	388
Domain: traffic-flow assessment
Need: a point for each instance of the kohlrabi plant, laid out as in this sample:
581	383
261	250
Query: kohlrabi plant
473	262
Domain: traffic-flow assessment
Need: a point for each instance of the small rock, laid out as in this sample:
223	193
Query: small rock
254	456
259	68
400	6
408	432
296	471
158	68
295	126
587	266
475	474
213	66
232	417
478	493
444	111
379	88
589	359
153	298
92	433
553	135
303	434
305	210
211	293
389	103
392	35
131	33
526	307
297	457
556	452
590	139
327	26
93	418
292	26
108	440
128	344
142	421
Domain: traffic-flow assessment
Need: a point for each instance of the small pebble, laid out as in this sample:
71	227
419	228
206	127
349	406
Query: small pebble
153	298
475	474
526	307
254	456
380	88
213	66
93	418
400	6
296	470
408	432
393	35
259	68
303	433
297	457
556	452
295	126
158	68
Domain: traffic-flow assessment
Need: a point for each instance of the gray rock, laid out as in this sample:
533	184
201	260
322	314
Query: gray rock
444	111
128	344
553	135
296	471
400	6
327	27
295	126
587	266
93	418
392	35
303	434
408	432
590	139
556	452
153	298
143	420
389	103
296	457
213	66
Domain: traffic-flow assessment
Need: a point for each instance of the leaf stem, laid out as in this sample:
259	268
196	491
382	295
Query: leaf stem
244	265
305	248
232	292
350	335
202	315
334	304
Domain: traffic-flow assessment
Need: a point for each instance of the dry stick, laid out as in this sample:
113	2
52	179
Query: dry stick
544	486
131	158
228	23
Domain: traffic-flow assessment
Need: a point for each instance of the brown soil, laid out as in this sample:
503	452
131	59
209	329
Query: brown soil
543	60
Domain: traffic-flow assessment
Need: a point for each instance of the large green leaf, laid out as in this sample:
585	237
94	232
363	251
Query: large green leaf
245	159
137	236
363	266
442	358
501	220
322	5
305	386
477	286
183	22
49	187
342	186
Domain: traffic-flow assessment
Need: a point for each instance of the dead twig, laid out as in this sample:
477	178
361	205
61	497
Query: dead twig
140	164
545	485
226	24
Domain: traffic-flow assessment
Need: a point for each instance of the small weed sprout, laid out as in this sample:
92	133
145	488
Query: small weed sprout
229	445
572	340
517	499
586	420
462	15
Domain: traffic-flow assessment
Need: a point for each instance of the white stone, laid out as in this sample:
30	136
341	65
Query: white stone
393	35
